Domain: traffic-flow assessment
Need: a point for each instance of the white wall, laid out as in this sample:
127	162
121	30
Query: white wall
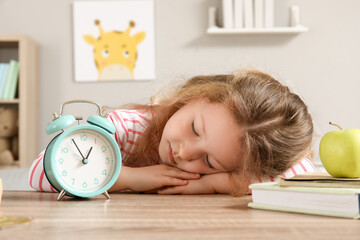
321	65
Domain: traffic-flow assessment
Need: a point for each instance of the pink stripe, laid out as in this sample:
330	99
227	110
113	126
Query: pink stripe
293	171
126	152
134	121
33	170
135	132
136	113
122	125
303	167
41	181
118	140
131	142
311	164
52	189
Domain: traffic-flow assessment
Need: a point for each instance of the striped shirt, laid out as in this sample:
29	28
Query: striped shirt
130	124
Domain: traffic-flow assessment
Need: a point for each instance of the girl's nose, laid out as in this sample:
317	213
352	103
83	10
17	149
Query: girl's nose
189	151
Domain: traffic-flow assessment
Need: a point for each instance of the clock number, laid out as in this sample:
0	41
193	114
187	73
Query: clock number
84	185
64	150
96	181
64	173
107	160
83	137
103	148
61	160
104	172
95	140
73	181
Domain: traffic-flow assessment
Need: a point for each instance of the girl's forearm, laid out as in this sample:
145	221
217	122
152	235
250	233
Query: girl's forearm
122	183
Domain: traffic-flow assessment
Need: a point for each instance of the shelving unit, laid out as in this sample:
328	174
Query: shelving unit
24	49
249	31
294	28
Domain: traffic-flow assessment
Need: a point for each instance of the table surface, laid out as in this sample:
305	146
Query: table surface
150	216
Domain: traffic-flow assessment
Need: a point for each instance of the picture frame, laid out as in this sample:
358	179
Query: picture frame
114	40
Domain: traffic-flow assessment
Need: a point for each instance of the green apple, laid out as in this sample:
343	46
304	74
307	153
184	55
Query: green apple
340	152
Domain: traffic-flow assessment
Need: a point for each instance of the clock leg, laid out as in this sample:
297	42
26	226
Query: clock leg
61	195
106	194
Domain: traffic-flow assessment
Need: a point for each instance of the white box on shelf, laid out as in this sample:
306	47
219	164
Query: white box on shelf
227	13
259	13
238	13
248	14
212	17
269	13
294	16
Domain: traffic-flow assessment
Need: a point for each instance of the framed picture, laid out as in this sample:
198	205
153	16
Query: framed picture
114	40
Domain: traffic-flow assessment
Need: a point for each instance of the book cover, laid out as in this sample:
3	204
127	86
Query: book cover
248	14
11	80
238	13
259	13
336	202
318	180
3	72
14	82
227	13
269	13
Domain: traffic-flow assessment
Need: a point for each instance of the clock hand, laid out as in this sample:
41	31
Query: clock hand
77	148
86	160
89	153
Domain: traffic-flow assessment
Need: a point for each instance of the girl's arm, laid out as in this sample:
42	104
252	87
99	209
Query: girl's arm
145	179
207	184
220	182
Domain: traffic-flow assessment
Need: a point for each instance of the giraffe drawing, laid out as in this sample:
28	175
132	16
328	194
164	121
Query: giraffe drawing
115	53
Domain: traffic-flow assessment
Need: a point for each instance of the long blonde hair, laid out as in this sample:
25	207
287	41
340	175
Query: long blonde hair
276	125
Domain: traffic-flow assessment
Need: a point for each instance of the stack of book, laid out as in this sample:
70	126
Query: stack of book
9	78
319	194
247	13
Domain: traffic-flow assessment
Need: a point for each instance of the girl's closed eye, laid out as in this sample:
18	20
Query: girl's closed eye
208	162
193	128
206	156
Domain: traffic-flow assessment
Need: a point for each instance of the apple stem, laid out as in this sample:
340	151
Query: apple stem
334	124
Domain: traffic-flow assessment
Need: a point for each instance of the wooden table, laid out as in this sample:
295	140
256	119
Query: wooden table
146	216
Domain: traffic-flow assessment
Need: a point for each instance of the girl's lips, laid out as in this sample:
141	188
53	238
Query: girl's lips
171	157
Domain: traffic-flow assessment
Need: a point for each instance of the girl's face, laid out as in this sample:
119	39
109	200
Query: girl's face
201	137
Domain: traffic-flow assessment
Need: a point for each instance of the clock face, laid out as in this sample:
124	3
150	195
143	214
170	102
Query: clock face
84	161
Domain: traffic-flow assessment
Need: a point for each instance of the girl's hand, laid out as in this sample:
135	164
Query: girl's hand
207	184
146	179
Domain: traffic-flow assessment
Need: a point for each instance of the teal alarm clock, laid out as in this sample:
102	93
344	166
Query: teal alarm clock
83	160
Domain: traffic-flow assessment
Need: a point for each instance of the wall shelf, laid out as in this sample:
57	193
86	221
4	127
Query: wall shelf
251	31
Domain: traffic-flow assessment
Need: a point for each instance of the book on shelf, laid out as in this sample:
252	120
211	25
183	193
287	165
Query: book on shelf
324	180
227	13
269	13
259	13
245	14
335	202
11	81
238	14
248	13
3	72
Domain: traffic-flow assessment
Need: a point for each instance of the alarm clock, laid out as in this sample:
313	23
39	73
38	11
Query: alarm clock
83	160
